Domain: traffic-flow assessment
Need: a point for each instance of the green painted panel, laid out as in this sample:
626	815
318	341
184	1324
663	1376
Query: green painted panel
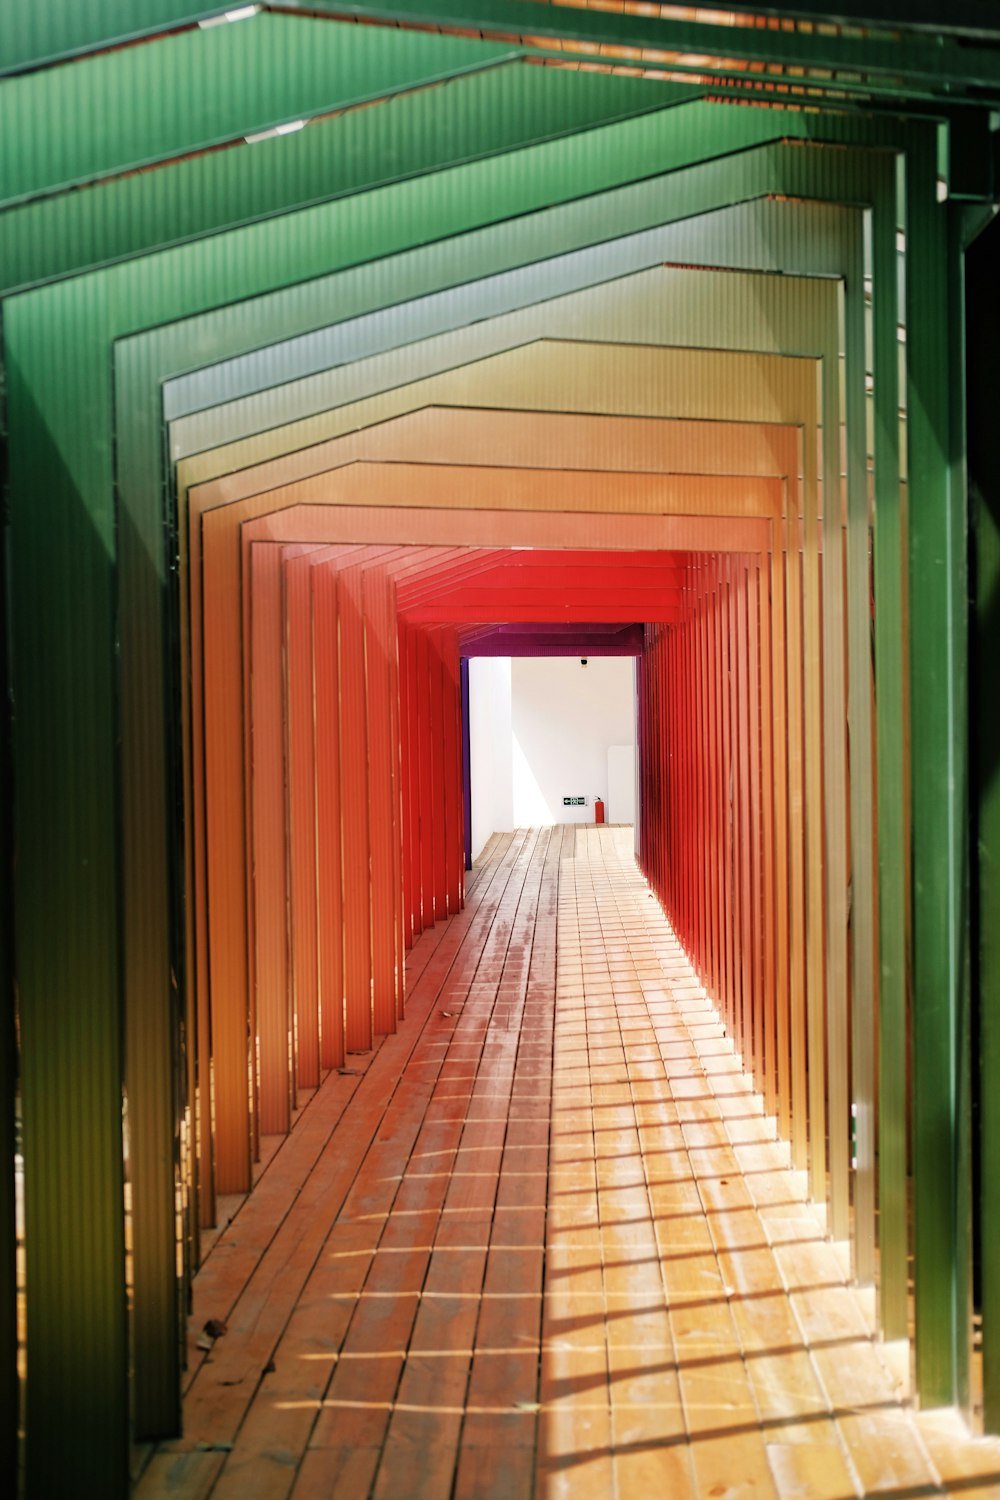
984	471
505	107
863	1053
63	627
888	561
909	66
305	375
33	35
937	526
9	1393
969	17
197	89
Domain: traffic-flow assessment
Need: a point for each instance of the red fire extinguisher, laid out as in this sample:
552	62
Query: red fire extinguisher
598	809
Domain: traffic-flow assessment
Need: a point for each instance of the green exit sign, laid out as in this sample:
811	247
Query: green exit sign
574	802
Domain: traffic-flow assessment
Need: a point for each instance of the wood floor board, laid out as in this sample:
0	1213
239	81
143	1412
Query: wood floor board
544	1243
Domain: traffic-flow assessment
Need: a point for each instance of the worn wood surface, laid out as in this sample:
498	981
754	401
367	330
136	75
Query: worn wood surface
546	1244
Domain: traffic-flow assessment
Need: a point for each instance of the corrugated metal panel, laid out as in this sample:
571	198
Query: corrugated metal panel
906	65
301	815
329	904
357	355
190	92
380	688
9	1391
981	295
903	67
53	32
184	199
938	625
265	834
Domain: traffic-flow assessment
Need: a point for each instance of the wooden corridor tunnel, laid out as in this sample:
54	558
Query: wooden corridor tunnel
361	338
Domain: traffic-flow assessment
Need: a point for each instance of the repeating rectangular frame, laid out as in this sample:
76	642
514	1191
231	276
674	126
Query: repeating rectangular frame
949	652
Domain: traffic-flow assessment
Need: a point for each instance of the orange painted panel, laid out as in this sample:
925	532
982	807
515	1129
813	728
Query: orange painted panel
354	805
383	753
326	755
268	843
301	815
769	897
225	866
758	871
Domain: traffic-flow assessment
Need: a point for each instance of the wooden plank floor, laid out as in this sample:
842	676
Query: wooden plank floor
543	1243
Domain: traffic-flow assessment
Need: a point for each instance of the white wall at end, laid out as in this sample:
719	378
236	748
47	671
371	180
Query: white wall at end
621	784
565	717
490	749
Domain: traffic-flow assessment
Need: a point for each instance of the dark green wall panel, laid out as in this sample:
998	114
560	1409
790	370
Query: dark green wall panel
506	107
196	89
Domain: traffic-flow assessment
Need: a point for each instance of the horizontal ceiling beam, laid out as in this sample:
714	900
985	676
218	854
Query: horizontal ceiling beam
668	609
887	61
34	36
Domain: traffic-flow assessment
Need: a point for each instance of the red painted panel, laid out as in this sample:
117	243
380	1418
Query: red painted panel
436	725
425	809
